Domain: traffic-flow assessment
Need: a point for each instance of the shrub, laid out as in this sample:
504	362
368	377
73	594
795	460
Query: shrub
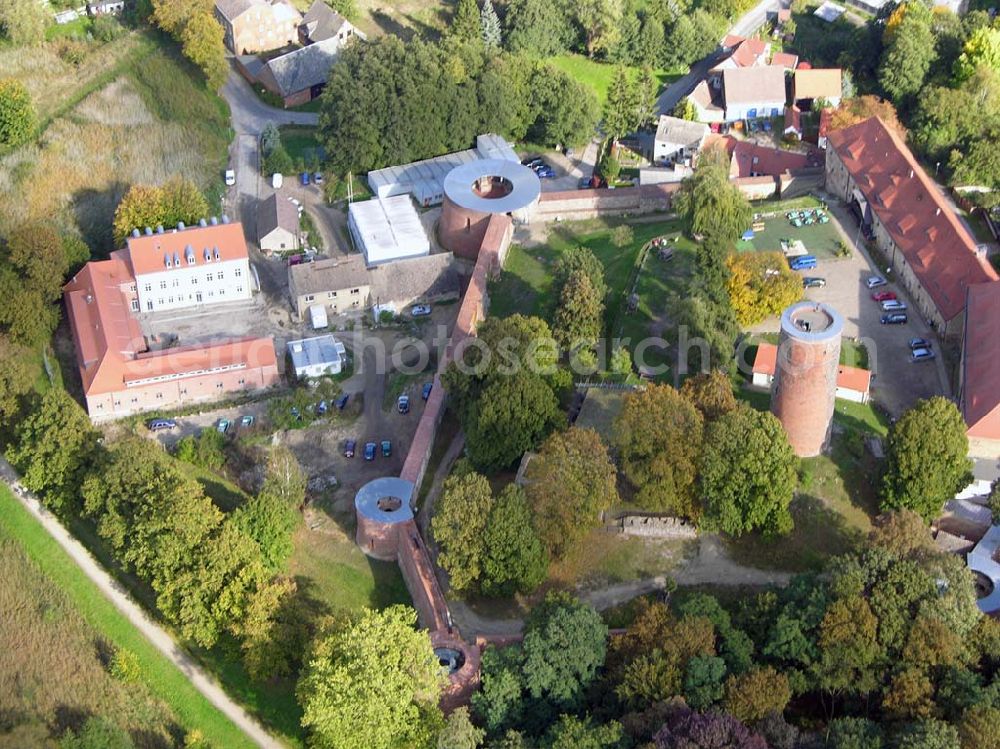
125	666
621	236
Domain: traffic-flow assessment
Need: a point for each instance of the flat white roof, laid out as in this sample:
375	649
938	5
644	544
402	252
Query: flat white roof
829	12
323	349
388	229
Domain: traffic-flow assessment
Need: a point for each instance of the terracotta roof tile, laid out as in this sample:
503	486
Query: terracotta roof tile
848	378
981	362
146	253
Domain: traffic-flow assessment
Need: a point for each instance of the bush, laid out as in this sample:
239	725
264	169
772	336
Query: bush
125	666
622	236
106	29
279	162
206	450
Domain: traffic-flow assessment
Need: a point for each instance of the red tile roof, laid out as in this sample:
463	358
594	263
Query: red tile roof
784	60
793	119
201	358
751	160
147	253
848	378
912	209
981	362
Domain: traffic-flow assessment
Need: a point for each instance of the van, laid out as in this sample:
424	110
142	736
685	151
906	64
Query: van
803	262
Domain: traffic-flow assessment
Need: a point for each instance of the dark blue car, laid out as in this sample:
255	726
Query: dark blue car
428	386
370	451
341	402
304	177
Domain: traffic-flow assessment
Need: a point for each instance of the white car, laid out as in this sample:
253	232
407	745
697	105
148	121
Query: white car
420	310
893	305
230	177
873	282
921	354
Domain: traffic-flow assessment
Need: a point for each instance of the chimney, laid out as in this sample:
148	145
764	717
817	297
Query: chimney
135	232
159	228
180	226
214	221
202	223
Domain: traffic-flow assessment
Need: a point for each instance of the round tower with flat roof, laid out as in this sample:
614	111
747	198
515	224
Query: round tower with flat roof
805	375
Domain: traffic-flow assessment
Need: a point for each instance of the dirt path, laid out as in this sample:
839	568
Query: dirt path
450	456
711	566
113	591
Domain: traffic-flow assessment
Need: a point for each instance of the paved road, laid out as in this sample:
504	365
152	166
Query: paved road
114	592
752	20
249	114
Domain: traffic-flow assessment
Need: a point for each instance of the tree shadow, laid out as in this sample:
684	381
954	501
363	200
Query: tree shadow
68	717
94	211
389	25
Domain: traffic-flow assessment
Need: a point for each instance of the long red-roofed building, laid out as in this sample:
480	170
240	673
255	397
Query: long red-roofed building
979	390
931	252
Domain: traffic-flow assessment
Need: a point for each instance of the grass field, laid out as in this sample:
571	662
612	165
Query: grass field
154	119
301	143
598	75
821	240
58	621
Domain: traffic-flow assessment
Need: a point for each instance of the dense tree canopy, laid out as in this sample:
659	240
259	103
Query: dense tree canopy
514	559
760	285
178	199
710	205
372	683
461	516
927	461
711	393
17	114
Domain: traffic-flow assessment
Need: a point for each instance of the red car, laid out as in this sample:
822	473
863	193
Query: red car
883	296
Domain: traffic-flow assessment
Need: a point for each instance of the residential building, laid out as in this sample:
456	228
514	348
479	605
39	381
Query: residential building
277	225
815	84
188	266
853	383
315	357
793	121
829	11
979	374
105	8
122	377
257	25
748	159
931	252
708	103
424	180
785	60
322	23
299	76
387	229
677	140
743	53
346	286
754	92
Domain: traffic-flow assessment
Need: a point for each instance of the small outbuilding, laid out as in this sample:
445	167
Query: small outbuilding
315	357
277	225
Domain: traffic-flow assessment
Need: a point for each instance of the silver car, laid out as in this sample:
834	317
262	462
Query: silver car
893	305
873	282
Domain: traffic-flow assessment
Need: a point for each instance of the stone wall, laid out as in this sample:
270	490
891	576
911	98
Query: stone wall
656	527
623	201
418	573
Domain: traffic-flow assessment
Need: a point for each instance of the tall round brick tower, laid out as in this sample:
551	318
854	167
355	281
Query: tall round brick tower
805	375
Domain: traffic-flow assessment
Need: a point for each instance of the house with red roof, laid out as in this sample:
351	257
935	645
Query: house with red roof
853	383
931	252
979	374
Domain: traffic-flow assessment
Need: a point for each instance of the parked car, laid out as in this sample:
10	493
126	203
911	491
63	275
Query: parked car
403	404
246	422
813	282
532	161
386	448
428	386
296	414
294	260
420	310
318	178
322	407
545	172
222	425
916	343
230	177
159	425
883	296
921	354
349	447
342	402
873	282
304	178
894	318
893	305
586	183
803	262
370	451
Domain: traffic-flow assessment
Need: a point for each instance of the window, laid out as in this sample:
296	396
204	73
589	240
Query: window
220	275
135	305
149	304
239	289
239	271
159	302
177	282
194	280
218	386
310	297
209	278
222	292
331	294
171	300
159	396
355	291
148	287
163	284
241	381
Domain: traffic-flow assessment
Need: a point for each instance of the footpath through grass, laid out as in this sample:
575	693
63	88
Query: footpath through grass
163	679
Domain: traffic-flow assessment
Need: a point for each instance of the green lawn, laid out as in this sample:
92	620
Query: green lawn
162	678
598	75
77	29
821	240
302	144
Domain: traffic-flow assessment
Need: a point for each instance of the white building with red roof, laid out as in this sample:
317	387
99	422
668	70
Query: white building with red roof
931	252
188	266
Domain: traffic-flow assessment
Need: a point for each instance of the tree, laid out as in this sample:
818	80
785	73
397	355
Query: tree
711	394
36	252
858	109
460	520
570	732
202	43
564	646
206	450
929	734
23	24
538	27
466	24
982	49
569	483
658	436
181	200
927	458
909	53
647	88
849	649
579	316
979	728
600	22
97	733
173	15
271	523
710	205
685	110
513	558
760	285
853	733
176	200
747	473
621	108
372	683
710	730
17	377
489	27
703	681
53	448
459	732
752	695
17	114
284	478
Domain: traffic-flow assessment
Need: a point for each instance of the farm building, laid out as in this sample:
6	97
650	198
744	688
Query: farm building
387	229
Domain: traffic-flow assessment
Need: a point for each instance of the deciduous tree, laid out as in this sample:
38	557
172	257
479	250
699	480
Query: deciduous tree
927	458
747	473
752	695
710	205
760	285
579	316
17	113
460	521
711	394
16	379
909	53
858	109
982	49
372	683
459	732
691	730
514	559
600	22
202	43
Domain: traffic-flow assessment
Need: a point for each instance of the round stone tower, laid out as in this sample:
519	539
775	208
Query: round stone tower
805	375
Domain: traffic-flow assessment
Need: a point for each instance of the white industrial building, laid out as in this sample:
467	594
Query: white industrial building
315	357
188	266
387	229
424	180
